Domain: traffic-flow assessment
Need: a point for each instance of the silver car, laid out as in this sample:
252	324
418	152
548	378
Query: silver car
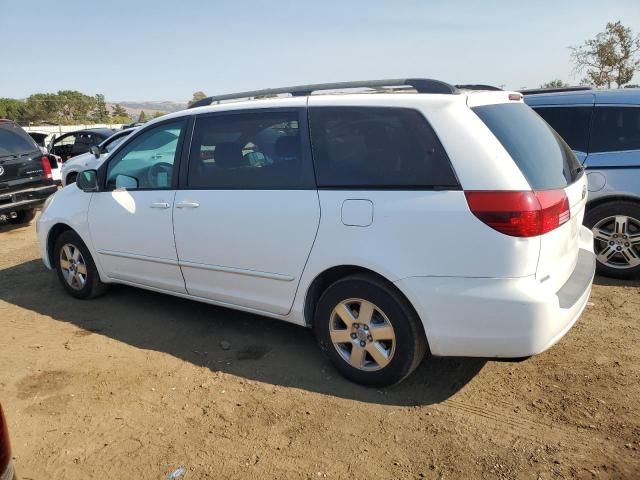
603	129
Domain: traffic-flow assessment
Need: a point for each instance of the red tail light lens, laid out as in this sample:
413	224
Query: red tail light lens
5	447
46	166
520	214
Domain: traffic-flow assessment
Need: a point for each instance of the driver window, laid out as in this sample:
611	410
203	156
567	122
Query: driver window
147	162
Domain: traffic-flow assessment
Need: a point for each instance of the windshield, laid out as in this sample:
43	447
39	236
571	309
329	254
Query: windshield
544	158
14	140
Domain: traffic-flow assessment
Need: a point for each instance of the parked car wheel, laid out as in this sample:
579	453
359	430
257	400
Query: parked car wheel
71	178
75	267
24	216
616	232
369	331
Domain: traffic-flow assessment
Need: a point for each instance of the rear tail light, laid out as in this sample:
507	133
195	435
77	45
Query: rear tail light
46	166
5	447
520	214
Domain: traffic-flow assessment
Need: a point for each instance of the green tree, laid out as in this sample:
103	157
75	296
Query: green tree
101	114
12	109
557	83
143	117
157	114
611	57
118	111
74	107
197	96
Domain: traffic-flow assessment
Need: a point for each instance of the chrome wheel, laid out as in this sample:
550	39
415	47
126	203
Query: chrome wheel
362	334
73	266
617	241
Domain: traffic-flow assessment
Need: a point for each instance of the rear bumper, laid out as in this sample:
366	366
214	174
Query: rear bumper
25	199
500	318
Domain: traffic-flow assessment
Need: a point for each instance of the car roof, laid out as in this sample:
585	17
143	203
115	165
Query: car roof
623	96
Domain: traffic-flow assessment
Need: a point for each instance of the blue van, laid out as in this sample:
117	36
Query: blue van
603	129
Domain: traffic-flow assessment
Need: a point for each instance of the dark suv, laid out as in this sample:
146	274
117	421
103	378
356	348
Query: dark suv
25	174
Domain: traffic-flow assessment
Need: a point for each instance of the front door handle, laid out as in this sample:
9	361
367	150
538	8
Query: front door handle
160	205
187	205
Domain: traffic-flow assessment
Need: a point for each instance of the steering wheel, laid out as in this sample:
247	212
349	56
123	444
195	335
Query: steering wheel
154	172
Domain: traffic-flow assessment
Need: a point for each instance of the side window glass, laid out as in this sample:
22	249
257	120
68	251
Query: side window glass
147	162
377	147
571	123
249	150
615	129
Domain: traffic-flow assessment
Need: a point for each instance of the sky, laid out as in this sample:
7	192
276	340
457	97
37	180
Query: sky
161	50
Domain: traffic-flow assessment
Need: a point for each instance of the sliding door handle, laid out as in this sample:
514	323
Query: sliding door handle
187	205
160	205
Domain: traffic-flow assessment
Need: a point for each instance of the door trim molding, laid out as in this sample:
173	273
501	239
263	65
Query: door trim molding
133	256
239	271
201	266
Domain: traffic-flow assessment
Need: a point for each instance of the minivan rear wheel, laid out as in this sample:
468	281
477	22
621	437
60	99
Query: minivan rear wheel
369	331
616	233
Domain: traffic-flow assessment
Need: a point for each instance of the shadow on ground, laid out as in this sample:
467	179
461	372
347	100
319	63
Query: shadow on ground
615	282
261	348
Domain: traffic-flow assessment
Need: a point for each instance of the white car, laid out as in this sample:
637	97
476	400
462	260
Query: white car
392	222
89	160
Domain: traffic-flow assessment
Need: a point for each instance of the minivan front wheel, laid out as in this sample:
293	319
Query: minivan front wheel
616	234
75	267
369	331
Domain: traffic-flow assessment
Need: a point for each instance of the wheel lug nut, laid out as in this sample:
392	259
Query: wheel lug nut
362	343
366	327
355	325
611	243
370	338
618	248
626	244
353	335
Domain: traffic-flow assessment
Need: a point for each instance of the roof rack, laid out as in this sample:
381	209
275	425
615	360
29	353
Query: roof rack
477	86
535	91
421	85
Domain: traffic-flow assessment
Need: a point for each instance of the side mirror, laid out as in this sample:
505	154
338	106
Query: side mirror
95	150
87	181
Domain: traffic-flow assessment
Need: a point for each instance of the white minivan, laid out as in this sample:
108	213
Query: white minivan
396	218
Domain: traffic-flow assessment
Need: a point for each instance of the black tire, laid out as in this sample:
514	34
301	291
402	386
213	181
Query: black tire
24	216
93	286
410	340
611	209
71	178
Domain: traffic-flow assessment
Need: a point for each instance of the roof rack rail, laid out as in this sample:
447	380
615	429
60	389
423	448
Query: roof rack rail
535	91
421	85
477	86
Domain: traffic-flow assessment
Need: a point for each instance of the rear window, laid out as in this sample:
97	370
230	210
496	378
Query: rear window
571	123
616	129
14	140
544	158
372	147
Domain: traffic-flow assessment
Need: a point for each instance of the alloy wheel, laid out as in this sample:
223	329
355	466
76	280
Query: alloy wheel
362	334
73	266
617	241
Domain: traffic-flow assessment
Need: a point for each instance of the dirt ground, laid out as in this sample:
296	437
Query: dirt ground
136	384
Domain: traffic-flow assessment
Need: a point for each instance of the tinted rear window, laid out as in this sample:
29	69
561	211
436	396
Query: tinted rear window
14	140
544	158
376	147
571	123
616	129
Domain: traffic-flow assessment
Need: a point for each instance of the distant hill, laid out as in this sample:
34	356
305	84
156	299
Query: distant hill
134	108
